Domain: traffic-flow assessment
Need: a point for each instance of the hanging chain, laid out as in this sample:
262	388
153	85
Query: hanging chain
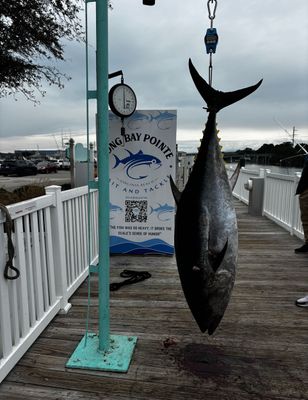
210	70
211	37
212	10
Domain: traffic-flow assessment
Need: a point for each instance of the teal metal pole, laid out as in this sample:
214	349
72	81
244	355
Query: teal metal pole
118	349
103	169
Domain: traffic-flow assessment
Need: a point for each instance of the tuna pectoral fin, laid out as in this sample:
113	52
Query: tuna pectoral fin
175	191
215	99
216	259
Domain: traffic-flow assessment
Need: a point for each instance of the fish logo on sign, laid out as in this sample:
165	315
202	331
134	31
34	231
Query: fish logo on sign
114	209
136	118
139	165
162	210
161	119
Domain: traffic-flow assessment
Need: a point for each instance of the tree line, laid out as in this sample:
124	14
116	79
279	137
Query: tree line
282	154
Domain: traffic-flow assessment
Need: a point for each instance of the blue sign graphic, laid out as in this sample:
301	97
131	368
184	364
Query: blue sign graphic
163	212
138	164
161	118
114	209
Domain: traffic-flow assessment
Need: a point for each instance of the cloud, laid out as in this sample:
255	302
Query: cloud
152	46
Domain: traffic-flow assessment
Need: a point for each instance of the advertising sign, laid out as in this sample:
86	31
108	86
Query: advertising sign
141	203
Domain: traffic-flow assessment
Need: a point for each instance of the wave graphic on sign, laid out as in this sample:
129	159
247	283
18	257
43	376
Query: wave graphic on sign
120	245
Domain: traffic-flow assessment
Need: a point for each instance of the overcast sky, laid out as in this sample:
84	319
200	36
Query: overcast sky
152	45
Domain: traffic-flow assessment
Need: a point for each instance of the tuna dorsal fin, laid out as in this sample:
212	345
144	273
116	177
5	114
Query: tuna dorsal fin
175	191
215	99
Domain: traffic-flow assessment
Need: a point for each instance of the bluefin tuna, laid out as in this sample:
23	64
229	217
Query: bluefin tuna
206	238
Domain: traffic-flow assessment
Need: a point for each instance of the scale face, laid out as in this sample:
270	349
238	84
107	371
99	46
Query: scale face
122	100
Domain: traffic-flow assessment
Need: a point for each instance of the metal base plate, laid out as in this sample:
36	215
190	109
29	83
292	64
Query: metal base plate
117	358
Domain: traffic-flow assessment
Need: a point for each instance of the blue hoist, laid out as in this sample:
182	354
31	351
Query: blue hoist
211	37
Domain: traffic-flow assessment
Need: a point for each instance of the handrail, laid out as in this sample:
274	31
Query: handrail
50	240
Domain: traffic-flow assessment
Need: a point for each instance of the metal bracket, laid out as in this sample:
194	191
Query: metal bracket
93	184
93	269
117	358
92	94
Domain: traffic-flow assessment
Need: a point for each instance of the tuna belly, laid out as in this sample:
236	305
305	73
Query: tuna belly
207	292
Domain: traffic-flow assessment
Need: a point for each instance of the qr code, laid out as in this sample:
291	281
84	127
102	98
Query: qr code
136	210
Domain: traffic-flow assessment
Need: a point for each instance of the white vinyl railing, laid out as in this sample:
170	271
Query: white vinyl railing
52	255
239	190
279	201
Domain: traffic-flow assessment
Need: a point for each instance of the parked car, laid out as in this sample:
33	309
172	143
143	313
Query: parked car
63	164
18	167
46	167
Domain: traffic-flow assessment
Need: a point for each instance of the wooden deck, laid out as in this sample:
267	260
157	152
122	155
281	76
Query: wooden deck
259	351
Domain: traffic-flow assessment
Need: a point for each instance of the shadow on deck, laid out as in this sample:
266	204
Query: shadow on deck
258	352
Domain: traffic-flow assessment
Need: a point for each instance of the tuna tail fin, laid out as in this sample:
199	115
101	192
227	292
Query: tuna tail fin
215	99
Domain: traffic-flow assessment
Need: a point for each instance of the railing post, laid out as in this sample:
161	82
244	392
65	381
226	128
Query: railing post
58	238
294	200
5	320
263	173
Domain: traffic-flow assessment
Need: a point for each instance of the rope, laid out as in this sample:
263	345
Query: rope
133	277
10	272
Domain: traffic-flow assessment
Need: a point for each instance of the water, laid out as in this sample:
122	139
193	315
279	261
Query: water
191	146
272	168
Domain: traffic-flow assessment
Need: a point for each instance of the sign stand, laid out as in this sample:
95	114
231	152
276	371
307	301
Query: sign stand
102	351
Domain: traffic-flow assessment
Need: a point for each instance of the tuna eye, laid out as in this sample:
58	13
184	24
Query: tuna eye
153	161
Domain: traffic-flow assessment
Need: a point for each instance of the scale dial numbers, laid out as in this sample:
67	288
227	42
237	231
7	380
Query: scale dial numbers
122	100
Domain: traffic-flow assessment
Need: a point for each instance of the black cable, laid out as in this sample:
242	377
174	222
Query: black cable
133	277
9	228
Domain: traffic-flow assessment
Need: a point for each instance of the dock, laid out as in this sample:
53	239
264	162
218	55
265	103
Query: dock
259	351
